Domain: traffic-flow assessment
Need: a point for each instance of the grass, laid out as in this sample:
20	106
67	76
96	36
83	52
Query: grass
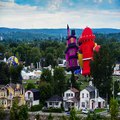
99	110
25	82
79	112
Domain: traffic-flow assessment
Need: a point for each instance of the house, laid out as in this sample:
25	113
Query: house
9	92
89	98
62	63
32	97
54	102
35	74
71	99
117	69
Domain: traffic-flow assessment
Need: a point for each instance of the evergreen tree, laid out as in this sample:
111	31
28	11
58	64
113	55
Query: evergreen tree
114	109
4	73
23	112
14	111
15	73
101	70
45	91
59	81
46	76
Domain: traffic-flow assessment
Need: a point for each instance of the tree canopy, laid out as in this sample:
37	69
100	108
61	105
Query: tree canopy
102	69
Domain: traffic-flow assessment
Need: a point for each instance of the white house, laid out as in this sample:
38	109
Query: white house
71	99
90	99
117	69
62	63
31	75
32	97
54	102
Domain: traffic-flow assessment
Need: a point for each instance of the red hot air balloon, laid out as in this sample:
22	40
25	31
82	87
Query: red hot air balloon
86	48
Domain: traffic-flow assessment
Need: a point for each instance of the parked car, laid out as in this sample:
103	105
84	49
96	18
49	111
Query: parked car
85	111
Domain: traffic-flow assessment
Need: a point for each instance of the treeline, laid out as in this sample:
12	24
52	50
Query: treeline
48	51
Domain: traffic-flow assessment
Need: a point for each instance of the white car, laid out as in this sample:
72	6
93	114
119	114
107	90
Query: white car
85	111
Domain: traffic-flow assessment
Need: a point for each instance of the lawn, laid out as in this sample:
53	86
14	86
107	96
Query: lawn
99	110
25	82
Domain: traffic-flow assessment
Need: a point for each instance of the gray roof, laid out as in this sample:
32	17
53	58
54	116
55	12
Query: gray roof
90	88
55	98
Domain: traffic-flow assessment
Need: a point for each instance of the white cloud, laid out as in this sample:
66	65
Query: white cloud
54	4
24	16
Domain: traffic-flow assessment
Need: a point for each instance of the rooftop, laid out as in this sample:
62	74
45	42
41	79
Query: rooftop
90	88
55	98
74	90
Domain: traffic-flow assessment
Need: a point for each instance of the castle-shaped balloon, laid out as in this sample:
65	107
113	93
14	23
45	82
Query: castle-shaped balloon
79	56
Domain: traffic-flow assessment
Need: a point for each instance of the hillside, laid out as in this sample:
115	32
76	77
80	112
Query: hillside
41	34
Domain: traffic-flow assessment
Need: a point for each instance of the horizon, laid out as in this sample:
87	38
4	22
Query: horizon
53	28
56	14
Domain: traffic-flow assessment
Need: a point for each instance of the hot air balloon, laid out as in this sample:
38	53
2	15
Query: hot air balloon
13	61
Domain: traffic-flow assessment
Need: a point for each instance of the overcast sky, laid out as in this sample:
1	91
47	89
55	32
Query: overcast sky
59	13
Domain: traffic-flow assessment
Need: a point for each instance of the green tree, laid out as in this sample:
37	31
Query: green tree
15	73
46	76
4	73
45	91
101	70
2	50
114	109
49	59
59	81
116	88
14	111
23	112
2	113
50	117
30	86
73	114
35	55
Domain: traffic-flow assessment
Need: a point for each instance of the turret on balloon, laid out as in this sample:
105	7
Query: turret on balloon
71	51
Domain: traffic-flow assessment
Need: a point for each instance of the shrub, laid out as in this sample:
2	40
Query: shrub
50	117
56	110
36	108
2	114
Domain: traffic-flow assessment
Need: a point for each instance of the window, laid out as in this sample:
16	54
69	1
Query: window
82	95
71	95
50	103
28	95
72	104
68	95
83	104
87	95
1	94
56	103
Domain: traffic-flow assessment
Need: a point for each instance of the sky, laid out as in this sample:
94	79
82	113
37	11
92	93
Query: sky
58	13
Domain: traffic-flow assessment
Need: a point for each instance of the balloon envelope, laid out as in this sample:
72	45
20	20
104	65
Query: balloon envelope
12	61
